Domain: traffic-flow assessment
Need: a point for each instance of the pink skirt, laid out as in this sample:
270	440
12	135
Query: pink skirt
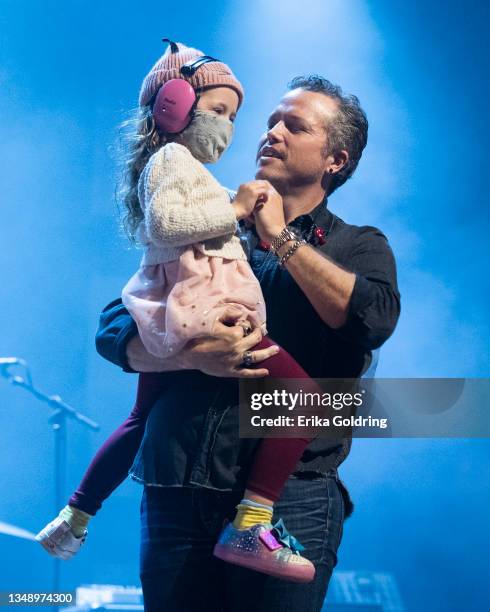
177	301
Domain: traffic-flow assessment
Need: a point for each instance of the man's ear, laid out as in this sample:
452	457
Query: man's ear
335	163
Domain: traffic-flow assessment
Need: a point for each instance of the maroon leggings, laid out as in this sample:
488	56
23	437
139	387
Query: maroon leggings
275	458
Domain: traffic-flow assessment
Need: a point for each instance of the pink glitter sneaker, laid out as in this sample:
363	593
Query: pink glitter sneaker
267	549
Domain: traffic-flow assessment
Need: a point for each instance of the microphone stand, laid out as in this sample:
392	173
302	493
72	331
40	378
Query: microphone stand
57	419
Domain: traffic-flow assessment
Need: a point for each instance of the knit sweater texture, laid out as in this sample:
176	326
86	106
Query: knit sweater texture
184	206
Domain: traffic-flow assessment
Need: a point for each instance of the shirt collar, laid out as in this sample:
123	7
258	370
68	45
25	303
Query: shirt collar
319	216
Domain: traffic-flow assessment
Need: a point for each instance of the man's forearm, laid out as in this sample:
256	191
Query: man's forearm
220	354
141	360
327	286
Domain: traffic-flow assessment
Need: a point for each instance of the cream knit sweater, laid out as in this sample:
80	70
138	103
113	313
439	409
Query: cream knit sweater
184	205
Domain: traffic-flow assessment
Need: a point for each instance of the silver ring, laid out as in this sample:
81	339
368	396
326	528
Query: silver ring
247	330
247	359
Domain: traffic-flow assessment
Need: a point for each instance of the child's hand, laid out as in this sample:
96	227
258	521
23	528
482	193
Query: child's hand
250	195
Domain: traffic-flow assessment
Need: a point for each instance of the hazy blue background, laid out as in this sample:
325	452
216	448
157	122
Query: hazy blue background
70	71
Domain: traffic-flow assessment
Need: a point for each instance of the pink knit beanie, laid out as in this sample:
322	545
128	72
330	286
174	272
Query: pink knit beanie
212	74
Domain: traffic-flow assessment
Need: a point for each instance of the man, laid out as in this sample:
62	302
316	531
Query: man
331	303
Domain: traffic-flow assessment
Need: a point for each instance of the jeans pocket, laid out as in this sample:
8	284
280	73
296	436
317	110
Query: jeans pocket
334	520
348	505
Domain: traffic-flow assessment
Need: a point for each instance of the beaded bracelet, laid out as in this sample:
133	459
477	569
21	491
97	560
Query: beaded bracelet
291	251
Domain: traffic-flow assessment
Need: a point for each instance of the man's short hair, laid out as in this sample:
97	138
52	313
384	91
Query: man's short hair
347	131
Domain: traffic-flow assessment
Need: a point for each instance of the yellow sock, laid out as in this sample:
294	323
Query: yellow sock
248	516
77	519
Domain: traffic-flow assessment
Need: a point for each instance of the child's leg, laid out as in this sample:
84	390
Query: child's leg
64	536
276	458
113	460
250	541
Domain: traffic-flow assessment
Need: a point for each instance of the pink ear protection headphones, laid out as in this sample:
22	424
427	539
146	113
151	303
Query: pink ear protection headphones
176	99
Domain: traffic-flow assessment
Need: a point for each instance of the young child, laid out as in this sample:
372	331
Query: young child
193	269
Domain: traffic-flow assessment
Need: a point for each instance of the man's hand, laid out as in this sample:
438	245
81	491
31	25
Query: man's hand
217	355
222	354
248	196
269	215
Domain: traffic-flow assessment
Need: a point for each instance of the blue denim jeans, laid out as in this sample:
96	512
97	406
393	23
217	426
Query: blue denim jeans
180	526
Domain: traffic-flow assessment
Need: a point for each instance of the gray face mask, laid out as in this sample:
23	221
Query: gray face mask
207	136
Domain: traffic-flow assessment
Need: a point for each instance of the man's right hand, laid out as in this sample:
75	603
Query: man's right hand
218	355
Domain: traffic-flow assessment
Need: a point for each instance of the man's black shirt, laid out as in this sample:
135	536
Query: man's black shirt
192	432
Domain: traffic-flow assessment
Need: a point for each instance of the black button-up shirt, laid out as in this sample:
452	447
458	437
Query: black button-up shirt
192	431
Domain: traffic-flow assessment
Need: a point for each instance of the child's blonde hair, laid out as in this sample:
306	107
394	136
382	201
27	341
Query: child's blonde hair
142	139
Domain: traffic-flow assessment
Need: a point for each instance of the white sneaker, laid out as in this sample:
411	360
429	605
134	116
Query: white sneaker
59	540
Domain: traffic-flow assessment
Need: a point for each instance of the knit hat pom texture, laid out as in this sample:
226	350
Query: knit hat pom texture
211	74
